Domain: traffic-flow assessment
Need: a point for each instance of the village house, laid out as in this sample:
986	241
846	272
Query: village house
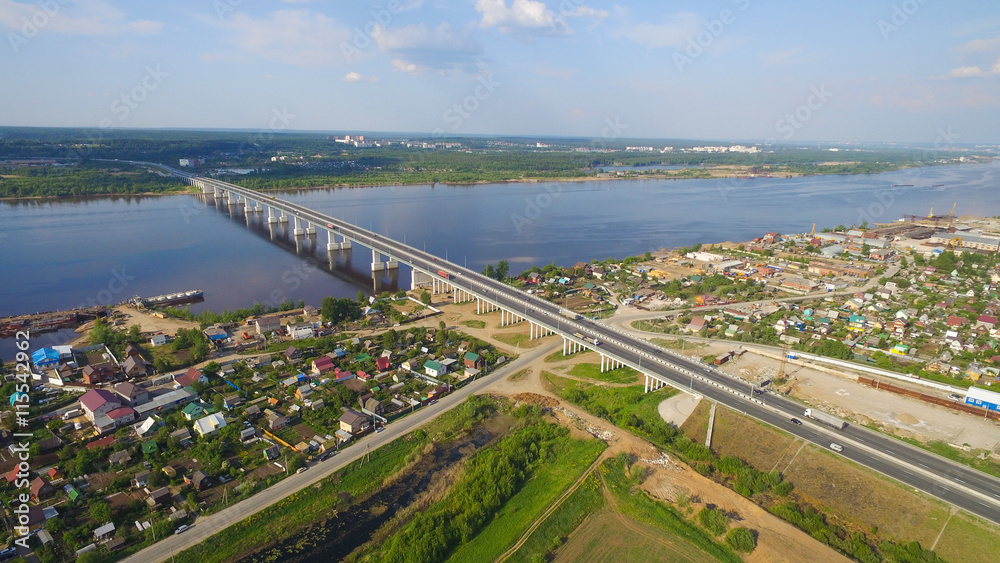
98	401
131	394
190	377
354	422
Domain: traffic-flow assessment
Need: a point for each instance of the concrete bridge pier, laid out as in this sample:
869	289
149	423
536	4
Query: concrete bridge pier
298	230
345	244
271	218
282	217
537	331
652	384
377	264
609	364
331	242
418	279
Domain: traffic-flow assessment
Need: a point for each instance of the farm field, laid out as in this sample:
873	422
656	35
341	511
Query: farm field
611	536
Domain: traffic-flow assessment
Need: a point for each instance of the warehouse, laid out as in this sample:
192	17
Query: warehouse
980	397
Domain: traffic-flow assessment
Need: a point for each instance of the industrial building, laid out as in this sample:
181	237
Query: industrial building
980	397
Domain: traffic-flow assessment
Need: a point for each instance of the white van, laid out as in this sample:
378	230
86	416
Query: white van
836	447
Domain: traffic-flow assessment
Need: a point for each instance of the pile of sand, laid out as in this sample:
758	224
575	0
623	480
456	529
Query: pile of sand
907	418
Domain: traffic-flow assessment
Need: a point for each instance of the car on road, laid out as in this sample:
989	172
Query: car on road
955	397
183	528
301	470
331	226
836	447
796	421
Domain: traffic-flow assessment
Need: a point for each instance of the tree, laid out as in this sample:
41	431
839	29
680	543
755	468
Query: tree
390	339
489	272
211	369
503	269
100	511
425	297
361	296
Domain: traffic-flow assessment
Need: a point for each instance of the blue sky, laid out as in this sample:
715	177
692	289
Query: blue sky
920	71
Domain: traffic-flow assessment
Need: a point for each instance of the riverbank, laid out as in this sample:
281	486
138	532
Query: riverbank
719	172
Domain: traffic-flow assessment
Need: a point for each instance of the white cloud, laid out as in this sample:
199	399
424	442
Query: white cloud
973	72
981	45
674	32
524	17
416	48
967	71
403	66
585	12
298	37
358	77
82	17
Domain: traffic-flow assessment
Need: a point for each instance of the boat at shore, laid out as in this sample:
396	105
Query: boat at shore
169	298
49	321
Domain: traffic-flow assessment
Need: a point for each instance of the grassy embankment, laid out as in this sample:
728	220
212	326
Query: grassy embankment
302	509
818	504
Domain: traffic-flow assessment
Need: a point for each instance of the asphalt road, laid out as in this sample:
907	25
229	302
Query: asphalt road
959	485
208	526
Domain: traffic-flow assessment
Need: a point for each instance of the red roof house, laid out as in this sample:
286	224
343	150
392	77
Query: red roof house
191	376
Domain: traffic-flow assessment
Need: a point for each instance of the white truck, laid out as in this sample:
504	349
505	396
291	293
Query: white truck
827	419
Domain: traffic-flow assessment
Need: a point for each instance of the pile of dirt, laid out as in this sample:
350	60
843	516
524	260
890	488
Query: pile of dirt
907	418
536	399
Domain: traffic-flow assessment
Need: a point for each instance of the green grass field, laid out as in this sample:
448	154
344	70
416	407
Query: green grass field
517	339
474	324
623	374
969	539
585	500
548	482
609	536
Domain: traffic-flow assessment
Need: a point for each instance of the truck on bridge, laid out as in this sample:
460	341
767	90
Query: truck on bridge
569	314
827	419
594	341
444	274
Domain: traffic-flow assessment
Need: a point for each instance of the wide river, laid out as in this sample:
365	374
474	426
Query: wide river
57	254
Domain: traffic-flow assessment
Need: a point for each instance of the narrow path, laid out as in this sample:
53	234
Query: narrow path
552	508
941	533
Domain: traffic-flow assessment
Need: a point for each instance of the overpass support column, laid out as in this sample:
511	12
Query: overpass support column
282	217
298	231
271	219
331	243
310	229
377	265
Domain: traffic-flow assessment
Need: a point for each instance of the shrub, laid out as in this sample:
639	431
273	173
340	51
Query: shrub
713	520
741	539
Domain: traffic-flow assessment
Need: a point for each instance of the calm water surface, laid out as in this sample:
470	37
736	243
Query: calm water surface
63	253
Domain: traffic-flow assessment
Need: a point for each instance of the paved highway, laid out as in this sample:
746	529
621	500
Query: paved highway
959	485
